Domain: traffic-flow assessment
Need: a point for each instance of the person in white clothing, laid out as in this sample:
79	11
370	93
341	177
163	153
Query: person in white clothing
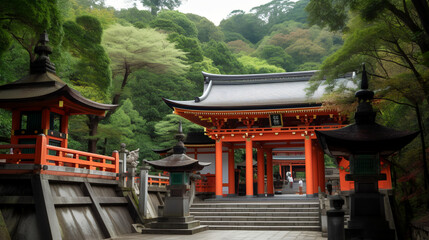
301	184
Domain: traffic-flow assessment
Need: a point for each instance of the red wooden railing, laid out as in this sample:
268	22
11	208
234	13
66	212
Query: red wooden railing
206	183
153	180
62	157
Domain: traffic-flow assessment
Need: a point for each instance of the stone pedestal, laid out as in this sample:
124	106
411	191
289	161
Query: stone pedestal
335	224
175	215
175	219
176	206
367	218
175	225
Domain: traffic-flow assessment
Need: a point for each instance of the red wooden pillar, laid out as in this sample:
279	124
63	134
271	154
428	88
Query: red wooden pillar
261	182
270	175
16	125
249	168
315	168
231	172
218	171
322	169
308	166
40	150
115	154
65	129
290	170
45	120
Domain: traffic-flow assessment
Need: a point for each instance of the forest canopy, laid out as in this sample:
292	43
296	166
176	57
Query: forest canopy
133	58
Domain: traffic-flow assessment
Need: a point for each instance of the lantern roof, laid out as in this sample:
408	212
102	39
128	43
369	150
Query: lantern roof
178	161
42	87
365	136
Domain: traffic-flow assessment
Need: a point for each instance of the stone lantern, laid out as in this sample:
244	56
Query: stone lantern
363	143
175	218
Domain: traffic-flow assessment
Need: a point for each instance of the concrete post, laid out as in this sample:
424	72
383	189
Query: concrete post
143	193
131	174
122	164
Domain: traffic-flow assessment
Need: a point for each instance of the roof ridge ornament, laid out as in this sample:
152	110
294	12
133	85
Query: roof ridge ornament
42	64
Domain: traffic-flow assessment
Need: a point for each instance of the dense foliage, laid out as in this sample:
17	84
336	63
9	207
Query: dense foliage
134	57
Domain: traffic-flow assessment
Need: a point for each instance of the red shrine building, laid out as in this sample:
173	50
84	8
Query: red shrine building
41	104
269	113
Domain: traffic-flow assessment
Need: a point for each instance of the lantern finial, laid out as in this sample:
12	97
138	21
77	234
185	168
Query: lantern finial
42	64
364	113
180	137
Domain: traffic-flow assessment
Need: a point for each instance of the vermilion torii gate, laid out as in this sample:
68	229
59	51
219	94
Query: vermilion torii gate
262	111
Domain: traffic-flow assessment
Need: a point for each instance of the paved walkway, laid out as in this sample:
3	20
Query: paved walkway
230	235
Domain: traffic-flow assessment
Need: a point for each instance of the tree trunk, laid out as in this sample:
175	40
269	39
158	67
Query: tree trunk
93	122
422	139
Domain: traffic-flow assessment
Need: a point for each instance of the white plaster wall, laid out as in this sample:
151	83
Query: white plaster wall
210	157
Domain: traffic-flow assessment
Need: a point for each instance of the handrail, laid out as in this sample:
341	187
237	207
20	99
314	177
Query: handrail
158	180
153	180
80	153
92	161
63	156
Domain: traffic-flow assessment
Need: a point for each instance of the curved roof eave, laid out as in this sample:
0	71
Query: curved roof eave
190	106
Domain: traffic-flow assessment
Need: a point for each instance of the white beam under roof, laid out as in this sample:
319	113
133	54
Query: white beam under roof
289	157
291	149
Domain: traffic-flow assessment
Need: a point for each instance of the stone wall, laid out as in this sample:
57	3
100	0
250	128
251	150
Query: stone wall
420	228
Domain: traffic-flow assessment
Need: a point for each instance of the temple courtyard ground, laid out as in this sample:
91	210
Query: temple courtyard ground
230	235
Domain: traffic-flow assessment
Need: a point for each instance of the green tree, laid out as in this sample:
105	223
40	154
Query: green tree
206	29
222	57
273	12
248	25
92	66
413	15
131	49
275	55
253	65
174	21
139	18
157	5
167	128
239	46
122	127
189	45
298	13
24	21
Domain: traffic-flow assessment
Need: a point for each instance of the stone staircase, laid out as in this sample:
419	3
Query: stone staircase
288	216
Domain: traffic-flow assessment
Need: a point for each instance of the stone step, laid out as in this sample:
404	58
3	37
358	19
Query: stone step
195	209
266	228
261	223
256	218
175	225
256	205
175	231
261	214
290	216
